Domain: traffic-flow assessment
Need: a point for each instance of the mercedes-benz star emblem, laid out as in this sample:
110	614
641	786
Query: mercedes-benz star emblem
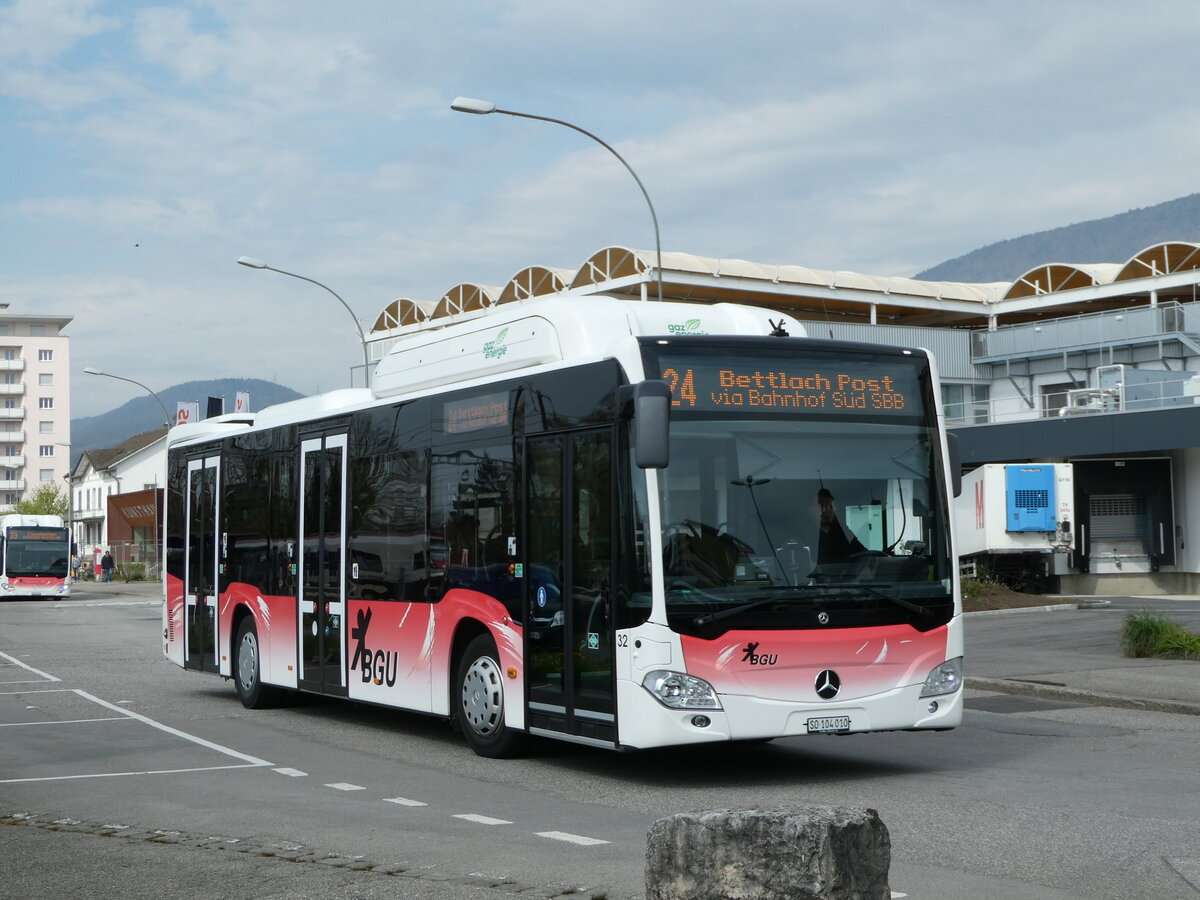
823	618
828	684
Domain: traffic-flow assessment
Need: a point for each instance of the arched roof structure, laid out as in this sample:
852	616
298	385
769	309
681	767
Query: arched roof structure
463	298
535	281
1051	278
1156	274
403	311
1161	259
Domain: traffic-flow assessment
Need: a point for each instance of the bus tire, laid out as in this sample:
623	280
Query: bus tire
479	702
247	670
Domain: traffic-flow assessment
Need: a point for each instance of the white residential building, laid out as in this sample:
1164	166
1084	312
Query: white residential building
35	404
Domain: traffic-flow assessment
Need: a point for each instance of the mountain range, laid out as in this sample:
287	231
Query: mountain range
1114	240
141	414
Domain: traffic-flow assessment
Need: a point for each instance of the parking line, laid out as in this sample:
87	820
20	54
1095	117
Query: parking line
482	820
343	786
570	838
403	801
17	662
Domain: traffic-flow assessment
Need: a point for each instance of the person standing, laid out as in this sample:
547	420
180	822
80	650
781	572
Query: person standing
106	564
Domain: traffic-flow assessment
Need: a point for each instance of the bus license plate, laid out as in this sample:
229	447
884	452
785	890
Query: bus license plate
828	724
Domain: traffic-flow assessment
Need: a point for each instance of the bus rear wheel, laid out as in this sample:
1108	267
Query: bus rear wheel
247	670
480	702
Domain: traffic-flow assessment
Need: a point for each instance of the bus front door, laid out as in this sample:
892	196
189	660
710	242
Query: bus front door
321	576
200	572
569	617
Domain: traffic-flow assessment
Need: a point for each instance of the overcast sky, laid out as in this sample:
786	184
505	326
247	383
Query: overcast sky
147	146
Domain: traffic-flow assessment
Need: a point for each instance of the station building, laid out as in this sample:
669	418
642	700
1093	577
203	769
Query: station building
1096	365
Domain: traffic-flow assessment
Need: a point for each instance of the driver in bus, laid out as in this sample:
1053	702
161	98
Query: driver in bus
834	544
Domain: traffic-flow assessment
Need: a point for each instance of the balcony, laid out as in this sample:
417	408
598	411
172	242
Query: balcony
12	437
12	390
15	413
11	462
17	484
12	365
1169	330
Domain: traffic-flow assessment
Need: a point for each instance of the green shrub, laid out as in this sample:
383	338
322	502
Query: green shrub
1146	634
132	571
971	588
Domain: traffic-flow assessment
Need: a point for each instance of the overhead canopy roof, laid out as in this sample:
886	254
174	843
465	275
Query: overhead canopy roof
1050	289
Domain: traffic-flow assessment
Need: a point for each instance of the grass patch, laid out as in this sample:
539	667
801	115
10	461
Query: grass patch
1147	634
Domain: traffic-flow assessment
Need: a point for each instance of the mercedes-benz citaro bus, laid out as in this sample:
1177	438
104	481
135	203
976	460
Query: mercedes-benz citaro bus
619	523
36	554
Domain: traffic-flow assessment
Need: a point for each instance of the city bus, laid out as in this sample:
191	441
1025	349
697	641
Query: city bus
620	523
36	554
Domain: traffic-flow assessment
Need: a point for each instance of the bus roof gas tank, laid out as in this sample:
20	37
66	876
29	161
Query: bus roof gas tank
511	338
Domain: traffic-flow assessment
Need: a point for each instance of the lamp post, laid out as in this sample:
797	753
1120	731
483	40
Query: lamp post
485	108
91	370
252	263
70	496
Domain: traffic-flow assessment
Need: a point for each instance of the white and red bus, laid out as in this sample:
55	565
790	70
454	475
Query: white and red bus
36	554
619	523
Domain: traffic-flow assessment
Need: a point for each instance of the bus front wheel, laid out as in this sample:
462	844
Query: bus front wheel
247	670
480	702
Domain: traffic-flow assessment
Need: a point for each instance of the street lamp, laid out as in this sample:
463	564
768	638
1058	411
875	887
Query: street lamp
485	108
91	370
252	263
70	495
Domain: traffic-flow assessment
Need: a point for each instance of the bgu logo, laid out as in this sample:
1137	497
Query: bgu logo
751	655
376	667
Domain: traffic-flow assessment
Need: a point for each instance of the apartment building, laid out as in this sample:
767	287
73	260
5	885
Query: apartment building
35	404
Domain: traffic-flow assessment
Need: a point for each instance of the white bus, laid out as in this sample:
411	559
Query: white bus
36	554
624	524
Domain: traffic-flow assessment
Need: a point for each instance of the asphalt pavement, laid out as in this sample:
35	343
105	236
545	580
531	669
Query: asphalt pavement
1072	651
1068	651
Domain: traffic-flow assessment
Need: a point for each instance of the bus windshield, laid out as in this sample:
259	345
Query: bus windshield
775	516
40	555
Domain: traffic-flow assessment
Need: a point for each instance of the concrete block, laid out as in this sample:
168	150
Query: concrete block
798	853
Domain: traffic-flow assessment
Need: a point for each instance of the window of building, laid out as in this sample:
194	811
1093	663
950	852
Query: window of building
45	474
46	379
37	330
966	404
46	427
6	329
45	403
10	353
10	403
11	378
45	355
1054	397
46	450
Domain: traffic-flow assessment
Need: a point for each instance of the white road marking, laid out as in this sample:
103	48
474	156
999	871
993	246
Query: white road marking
570	838
249	761
403	801
66	721
252	760
294	773
482	820
343	786
17	662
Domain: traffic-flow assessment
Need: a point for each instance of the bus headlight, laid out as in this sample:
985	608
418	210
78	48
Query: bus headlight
945	679
679	691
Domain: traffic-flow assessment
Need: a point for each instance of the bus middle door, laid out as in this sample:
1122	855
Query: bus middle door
321	577
569	614
200	573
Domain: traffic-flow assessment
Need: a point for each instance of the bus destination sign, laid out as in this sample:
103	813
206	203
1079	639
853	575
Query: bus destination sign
28	533
842	388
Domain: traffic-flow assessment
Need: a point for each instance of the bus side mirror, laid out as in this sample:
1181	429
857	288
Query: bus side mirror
955	462
649	404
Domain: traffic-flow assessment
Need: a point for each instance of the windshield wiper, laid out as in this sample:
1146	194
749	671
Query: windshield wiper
809	589
872	591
